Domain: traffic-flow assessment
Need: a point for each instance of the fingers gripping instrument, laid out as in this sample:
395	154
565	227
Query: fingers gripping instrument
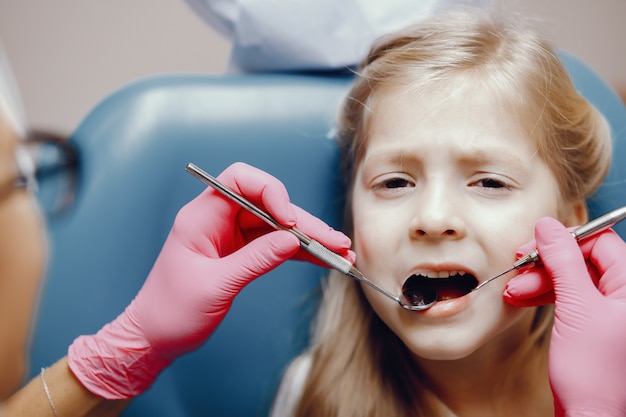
310	245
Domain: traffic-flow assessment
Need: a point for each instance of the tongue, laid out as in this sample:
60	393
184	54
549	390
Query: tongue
447	292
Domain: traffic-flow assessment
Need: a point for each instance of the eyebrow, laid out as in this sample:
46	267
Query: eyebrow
482	157
465	156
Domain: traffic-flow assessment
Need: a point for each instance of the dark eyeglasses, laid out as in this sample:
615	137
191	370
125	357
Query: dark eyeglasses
48	165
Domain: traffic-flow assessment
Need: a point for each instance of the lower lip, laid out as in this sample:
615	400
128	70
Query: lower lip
447	308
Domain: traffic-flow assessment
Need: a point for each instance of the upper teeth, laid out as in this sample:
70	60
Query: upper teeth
441	274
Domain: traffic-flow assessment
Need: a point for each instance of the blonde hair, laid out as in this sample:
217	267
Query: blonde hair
360	367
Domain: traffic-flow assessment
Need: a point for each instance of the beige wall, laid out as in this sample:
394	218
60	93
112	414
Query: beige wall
69	54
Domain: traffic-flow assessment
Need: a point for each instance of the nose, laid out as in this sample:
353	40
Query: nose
437	214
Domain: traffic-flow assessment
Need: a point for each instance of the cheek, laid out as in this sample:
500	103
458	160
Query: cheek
23	245
503	232
374	233
23	252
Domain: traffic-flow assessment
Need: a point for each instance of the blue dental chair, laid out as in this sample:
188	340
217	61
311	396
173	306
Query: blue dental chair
134	147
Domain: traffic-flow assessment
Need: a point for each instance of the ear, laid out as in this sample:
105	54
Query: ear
575	214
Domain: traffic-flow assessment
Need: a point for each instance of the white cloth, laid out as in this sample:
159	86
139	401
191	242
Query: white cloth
291	387
275	35
11	109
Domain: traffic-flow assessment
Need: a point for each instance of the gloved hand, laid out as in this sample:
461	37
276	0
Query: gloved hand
214	249
587	359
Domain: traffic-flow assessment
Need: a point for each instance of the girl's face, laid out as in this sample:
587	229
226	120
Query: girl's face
449	184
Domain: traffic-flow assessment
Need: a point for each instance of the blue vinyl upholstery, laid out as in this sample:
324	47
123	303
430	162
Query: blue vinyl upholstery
134	147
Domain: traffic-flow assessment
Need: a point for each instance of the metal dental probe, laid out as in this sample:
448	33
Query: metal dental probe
589	229
310	245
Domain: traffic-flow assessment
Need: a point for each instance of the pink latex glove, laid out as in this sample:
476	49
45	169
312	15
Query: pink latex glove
214	249
587	362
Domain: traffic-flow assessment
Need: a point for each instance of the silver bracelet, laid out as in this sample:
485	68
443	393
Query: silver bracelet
45	388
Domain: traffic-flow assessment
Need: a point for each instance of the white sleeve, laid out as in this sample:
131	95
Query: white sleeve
291	387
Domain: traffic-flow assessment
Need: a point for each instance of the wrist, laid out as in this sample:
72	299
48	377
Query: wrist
117	362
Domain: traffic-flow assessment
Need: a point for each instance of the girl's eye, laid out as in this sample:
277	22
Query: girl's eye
491	183
394	183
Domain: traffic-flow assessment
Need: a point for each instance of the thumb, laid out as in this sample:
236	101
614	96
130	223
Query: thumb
563	261
258	257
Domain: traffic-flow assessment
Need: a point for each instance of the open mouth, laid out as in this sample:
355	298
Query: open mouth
419	287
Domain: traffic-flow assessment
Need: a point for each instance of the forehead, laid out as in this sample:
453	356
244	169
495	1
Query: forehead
509	95
465	113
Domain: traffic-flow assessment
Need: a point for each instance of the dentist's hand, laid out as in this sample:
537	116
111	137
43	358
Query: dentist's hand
215	248
587	363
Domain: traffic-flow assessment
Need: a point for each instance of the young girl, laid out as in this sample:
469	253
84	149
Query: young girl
449	176
459	135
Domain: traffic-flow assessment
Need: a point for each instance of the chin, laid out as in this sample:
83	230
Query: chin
443	353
